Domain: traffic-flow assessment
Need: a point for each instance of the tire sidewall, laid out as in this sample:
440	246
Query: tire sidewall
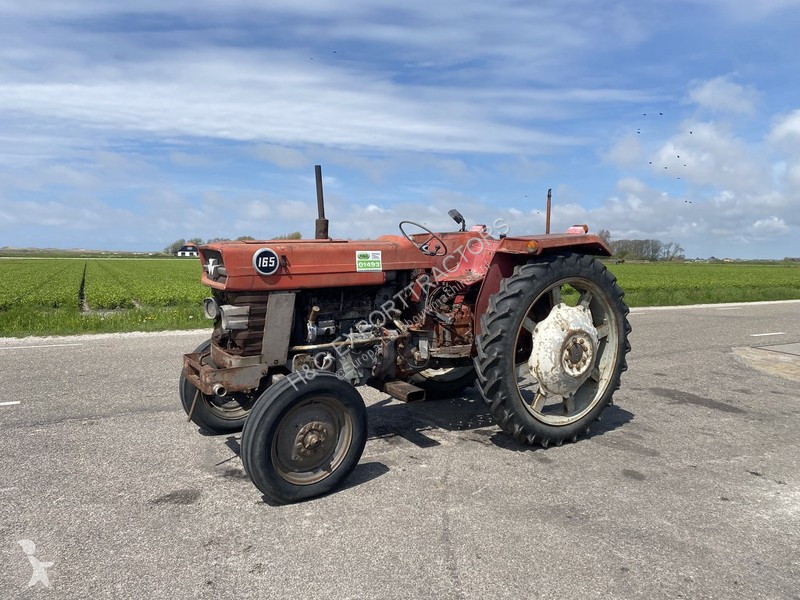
555	269
262	426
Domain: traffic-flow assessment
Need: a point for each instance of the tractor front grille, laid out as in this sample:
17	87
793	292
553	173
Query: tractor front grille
243	342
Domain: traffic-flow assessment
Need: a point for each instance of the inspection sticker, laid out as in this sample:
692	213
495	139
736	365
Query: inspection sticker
368	260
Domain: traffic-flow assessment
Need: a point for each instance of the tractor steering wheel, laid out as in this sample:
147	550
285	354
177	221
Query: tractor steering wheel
424	247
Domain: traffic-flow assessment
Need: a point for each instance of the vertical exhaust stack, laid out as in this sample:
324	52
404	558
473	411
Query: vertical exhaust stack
321	224
547	221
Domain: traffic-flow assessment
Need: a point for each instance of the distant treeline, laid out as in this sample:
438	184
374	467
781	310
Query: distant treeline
646	250
642	249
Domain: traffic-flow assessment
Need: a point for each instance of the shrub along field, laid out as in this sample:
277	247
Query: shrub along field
58	296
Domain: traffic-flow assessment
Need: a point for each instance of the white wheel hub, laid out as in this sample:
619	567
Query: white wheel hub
564	350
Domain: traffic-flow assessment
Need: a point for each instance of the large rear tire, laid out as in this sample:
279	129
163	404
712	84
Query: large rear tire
552	348
215	414
303	438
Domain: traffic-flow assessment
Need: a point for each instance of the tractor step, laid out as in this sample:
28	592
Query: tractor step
404	391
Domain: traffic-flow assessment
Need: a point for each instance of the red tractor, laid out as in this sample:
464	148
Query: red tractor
535	322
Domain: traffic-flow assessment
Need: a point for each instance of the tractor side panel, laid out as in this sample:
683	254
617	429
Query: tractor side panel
513	251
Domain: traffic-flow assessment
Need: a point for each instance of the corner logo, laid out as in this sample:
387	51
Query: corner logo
39	567
368	261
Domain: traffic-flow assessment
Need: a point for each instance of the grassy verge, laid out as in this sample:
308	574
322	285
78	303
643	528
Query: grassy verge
24	321
673	284
671	297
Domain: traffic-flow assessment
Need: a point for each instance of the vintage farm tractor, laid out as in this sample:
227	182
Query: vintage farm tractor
535	322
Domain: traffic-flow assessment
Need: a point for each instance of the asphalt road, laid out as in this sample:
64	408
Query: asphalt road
689	487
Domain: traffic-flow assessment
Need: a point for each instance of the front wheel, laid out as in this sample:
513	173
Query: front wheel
552	348
215	414
303	438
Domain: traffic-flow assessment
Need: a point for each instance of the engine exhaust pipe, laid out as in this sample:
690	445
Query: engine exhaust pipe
547	219
321	224
219	389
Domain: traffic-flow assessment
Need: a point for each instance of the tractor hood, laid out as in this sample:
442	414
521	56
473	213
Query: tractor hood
297	264
291	264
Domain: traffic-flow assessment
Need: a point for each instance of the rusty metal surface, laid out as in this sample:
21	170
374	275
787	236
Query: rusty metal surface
461	350
312	263
404	391
205	376
583	243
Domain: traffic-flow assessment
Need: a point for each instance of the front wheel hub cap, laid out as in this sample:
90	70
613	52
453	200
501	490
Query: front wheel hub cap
564	350
311	439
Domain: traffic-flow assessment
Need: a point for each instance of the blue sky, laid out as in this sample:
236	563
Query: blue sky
129	125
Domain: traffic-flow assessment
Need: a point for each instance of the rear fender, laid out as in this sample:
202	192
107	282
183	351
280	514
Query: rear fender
519	251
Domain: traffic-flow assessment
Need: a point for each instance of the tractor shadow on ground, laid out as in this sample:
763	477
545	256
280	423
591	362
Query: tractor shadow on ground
467	413
363	473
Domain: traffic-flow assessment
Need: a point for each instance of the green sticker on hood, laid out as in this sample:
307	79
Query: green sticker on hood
368	261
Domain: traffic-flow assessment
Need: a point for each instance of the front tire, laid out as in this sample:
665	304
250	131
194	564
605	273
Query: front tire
552	348
303	438
215	414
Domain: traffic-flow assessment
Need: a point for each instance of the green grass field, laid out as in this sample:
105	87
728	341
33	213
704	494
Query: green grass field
665	284
59	296
46	296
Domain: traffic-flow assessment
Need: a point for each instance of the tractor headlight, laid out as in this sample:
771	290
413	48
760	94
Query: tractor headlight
210	308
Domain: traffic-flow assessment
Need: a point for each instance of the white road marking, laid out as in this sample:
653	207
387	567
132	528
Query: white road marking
9	403
730	308
37	346
765	334
724	305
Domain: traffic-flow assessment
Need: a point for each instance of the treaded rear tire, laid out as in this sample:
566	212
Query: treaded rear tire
499	344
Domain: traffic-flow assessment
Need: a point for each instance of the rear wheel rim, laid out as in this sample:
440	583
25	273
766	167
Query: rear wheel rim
311	440
566	410
227	408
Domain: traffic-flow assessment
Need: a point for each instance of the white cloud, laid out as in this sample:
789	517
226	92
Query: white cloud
786	128
626	151
723	95
709	153
439	105
287	158
765	228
